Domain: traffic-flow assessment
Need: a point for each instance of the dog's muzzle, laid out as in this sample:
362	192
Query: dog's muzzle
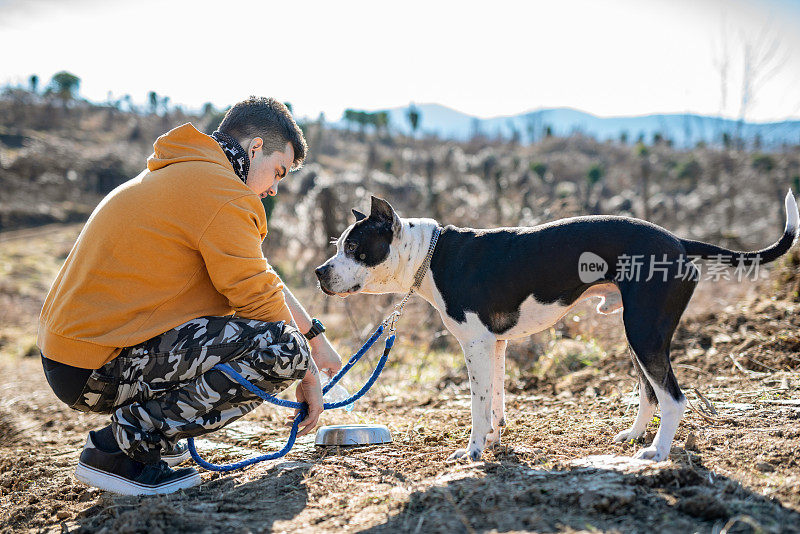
323	275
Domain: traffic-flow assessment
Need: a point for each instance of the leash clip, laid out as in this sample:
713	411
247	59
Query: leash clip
393	317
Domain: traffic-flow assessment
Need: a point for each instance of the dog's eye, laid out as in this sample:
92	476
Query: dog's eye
351	246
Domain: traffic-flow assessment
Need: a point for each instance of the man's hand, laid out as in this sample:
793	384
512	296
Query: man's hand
325	356
309	390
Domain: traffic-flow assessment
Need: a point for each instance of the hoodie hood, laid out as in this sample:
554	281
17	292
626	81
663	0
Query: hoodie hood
186	143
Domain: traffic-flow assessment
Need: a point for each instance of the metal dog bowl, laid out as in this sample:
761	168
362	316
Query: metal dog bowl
353	435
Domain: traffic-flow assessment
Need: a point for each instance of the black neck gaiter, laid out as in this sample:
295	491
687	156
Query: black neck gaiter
234	152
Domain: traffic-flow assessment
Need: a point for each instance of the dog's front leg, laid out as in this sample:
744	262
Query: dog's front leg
498	394
479	356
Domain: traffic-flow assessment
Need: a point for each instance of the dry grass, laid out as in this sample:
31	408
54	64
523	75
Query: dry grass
571	391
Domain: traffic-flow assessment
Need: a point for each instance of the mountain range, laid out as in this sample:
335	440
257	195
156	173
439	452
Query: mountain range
683	129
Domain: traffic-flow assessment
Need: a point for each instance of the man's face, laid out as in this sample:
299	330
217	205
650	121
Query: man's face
267	170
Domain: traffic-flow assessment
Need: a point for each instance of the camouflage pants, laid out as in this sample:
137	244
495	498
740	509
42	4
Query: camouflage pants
165	389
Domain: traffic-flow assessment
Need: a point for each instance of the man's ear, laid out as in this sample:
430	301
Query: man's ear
254	145
383	211
359	215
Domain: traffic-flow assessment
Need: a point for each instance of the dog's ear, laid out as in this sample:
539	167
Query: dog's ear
359	215
383	211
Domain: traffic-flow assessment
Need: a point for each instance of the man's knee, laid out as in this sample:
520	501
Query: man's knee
281	353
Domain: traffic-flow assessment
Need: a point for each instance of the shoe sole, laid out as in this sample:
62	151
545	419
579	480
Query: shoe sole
177	459
117	484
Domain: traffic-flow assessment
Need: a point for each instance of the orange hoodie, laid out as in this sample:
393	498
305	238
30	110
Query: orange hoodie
179	241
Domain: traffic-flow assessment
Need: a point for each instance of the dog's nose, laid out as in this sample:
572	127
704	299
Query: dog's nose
321	270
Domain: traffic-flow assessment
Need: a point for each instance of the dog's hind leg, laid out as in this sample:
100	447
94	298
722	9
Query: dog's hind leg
498	394
651	314
648	402
479	352
672	407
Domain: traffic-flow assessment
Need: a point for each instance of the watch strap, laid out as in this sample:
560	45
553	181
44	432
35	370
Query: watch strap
316	329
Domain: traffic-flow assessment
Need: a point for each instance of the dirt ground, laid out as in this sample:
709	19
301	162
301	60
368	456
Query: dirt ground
735	463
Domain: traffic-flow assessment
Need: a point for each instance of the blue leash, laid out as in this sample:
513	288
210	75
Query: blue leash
303	407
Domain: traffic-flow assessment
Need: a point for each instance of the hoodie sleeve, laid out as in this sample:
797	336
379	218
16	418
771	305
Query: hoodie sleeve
231	249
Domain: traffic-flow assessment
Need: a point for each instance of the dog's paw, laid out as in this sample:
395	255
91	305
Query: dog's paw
469	454
627	435
651	453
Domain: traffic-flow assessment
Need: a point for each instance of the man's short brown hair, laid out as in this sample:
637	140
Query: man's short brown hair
269	119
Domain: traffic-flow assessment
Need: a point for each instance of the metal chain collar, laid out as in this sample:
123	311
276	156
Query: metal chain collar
420	274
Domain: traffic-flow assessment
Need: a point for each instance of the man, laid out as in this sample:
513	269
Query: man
141	310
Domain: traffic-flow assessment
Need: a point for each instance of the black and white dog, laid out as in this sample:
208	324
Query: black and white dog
494	285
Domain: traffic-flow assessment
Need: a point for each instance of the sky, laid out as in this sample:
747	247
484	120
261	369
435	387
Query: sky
609	58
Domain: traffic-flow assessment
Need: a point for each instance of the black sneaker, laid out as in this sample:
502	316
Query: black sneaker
118	473
178	454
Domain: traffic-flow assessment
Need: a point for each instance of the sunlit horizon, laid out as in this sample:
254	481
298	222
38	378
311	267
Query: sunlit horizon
621	58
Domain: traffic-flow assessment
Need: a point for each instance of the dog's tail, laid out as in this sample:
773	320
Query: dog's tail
765	255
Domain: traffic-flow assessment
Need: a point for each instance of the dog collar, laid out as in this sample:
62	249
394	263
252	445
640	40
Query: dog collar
418	276
423	269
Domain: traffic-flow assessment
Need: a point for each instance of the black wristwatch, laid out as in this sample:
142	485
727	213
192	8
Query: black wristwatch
316	329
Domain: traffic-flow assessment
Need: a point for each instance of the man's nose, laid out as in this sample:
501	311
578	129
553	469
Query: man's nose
322	270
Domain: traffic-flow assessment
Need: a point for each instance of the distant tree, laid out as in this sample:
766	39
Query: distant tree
623	138
269	205
350	117
763	163
430	183
316	142
516	135
152	98
362	119
644	165
413	116
796	184
538	168
380	120
213	117
33	83
727	142
129	103
593	177
657	138
594	174
689	171
165	105
65	85
493	173
548	131
498	194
